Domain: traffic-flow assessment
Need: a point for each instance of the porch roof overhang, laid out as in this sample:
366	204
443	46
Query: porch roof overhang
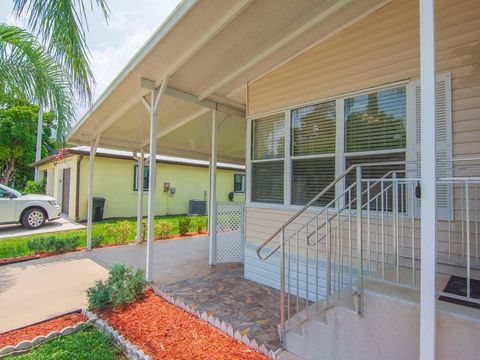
209	50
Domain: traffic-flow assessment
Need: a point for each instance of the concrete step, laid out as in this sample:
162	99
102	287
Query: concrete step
286	355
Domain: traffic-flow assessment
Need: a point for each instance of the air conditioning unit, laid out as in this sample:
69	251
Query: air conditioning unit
197	207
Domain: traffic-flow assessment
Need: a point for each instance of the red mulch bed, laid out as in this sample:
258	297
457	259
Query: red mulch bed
165	331
13	337
22	258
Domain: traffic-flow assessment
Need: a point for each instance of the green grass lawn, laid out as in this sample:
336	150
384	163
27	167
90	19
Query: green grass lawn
17	246
88	344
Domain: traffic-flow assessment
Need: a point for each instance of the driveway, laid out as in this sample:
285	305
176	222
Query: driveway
62	224
39	289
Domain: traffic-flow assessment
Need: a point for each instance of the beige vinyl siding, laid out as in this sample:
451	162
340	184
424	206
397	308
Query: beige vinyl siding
383	48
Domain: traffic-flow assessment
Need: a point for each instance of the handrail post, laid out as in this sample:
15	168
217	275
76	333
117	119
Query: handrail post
359	241
282	285
395	226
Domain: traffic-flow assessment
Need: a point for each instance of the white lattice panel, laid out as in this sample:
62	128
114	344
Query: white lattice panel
229	247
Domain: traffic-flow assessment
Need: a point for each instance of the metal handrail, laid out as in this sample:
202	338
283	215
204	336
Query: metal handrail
315	199
345	206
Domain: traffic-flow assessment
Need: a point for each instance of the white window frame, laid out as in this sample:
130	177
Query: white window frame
340	154
135	178
243	185
250	161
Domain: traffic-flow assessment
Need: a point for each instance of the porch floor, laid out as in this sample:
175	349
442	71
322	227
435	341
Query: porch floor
249	307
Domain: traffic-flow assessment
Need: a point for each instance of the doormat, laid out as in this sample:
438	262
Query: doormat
457	285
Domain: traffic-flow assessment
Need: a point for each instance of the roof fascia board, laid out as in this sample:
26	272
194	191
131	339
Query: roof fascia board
73	152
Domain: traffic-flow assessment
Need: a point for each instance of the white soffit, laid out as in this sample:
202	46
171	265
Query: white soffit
213	48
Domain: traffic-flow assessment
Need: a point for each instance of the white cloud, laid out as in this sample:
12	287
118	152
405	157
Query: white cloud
112	45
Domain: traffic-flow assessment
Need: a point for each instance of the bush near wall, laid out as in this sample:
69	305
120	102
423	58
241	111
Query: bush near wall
120	232
162	229
52	244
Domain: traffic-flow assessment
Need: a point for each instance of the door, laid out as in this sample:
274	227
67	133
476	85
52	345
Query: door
8	208
66	191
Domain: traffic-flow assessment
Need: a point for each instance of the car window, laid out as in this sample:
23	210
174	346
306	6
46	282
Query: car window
3	193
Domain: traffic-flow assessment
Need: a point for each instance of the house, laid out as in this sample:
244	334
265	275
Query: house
179	180
358	123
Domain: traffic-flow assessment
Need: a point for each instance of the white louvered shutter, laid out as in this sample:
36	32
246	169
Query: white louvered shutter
443	122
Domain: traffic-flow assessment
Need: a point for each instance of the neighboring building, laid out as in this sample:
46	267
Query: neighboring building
322	102
116	181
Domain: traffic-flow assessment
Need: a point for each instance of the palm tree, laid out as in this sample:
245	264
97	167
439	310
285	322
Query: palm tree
26	67
61	26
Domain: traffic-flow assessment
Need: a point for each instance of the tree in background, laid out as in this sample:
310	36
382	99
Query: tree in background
60	25
18	123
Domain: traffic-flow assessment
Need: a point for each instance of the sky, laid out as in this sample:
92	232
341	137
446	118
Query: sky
112	45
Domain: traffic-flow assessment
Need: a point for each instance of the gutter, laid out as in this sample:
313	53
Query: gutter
77	195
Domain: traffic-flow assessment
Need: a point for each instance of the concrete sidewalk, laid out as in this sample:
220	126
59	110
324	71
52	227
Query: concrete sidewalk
37	290
62	224
173	260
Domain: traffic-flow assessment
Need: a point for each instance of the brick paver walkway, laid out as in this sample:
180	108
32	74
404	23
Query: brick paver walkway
248	306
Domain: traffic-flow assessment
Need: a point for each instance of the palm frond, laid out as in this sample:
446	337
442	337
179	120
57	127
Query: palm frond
61	25
27	67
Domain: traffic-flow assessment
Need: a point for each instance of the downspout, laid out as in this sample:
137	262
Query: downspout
77	200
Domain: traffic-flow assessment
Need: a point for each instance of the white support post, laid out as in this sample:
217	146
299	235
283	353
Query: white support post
428	181
141	160
91	162
156	96
212	203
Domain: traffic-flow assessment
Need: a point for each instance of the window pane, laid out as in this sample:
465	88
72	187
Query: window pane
377	172
268	137
313	129
145	178
310	177
267	182
239	183
376	121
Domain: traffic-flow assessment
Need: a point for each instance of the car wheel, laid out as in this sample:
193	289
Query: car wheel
33	218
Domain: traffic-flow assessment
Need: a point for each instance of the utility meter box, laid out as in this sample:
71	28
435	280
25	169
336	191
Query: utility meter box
166	186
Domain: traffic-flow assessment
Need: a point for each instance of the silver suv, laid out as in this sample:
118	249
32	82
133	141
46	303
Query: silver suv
30	210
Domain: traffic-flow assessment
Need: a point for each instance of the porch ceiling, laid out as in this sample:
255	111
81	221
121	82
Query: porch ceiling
211	50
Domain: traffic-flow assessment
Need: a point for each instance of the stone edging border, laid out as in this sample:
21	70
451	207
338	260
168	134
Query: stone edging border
130	350
27	345
219	324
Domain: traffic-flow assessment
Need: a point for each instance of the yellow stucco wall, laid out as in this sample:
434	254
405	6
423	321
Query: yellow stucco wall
54	176
113	180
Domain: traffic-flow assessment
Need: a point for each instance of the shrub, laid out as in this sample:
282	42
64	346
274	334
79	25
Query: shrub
97	241
53	245
144	229
200	224
184	225
99	295
124	285
120	232
35	187
162	229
